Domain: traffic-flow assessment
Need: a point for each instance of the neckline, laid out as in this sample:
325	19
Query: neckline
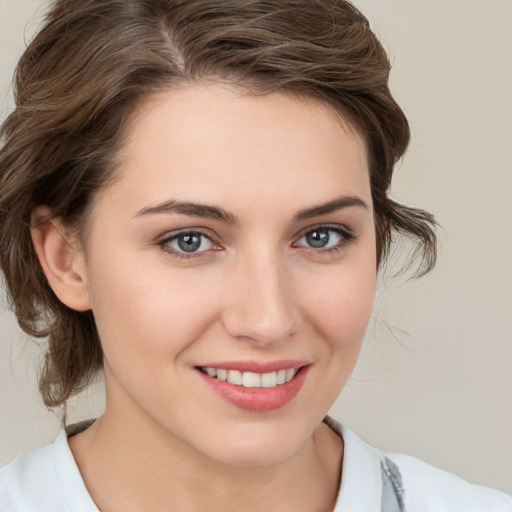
361	480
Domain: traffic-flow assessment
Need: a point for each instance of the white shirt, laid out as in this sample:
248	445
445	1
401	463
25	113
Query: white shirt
48	480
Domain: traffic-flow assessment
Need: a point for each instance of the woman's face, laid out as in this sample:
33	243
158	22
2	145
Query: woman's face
238	240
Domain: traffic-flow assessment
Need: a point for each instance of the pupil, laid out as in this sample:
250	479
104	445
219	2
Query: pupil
318	238
189	243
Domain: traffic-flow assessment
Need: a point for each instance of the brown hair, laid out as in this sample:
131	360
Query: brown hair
93	60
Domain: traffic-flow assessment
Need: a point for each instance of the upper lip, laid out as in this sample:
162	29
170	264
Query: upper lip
257	366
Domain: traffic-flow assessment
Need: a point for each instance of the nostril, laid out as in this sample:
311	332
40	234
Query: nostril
264	331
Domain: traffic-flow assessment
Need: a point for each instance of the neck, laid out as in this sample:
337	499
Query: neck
130	464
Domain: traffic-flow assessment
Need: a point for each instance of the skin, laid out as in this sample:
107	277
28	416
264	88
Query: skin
257	291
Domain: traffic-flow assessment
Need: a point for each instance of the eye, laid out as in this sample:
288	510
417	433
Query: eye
187	242
324	238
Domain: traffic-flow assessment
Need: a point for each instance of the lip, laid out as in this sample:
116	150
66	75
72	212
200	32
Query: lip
257	366
257	399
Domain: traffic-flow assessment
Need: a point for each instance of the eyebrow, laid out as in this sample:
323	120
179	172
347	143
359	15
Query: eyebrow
190	209
217	213
331	207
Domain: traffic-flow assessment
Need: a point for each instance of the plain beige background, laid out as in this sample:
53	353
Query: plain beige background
434	379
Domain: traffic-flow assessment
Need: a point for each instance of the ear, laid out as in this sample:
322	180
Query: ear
61	258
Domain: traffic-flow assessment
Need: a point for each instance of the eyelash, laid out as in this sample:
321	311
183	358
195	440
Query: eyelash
346	238
182	255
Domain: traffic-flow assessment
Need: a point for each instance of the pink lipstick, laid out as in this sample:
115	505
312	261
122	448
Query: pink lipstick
255	386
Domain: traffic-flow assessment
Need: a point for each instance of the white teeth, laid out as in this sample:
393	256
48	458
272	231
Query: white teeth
269	380
235	377
251	379
290	373
212	372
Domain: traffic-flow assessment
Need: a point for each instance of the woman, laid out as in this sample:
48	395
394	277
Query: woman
194	200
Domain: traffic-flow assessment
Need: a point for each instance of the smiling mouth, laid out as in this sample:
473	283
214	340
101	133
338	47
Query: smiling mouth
251	379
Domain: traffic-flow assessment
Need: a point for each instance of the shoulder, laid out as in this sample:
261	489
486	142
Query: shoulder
374	480
30	478
427	488
44	480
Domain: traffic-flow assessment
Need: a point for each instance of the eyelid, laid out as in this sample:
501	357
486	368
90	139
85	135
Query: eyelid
164	240
340	228
174	233
346	234
346	238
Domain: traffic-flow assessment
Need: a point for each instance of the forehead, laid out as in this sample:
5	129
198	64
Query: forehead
221	142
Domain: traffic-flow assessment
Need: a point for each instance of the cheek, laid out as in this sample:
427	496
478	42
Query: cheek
340	304
339	311
148	313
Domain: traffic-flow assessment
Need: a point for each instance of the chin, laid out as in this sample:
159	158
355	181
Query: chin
256	447
255	456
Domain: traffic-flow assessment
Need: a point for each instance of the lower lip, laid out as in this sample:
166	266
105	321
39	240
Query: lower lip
257	399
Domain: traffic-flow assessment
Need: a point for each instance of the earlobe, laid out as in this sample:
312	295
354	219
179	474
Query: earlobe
61	259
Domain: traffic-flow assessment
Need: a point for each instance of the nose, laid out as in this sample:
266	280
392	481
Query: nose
260	304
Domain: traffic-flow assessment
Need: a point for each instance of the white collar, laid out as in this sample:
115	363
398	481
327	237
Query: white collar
73	486
361	477
53	469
